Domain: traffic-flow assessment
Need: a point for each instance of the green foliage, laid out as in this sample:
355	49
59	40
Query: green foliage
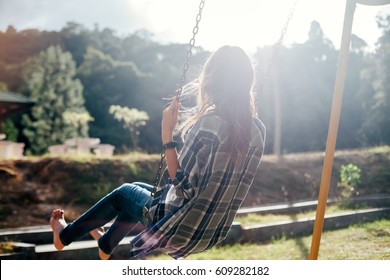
108	82
136	72
132	119
10	130
50	81
78	120
349	179
376	127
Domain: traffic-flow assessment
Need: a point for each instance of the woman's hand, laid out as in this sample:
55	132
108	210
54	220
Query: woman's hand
169	121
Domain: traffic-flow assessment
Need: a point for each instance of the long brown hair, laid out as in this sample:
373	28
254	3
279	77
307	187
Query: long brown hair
225	87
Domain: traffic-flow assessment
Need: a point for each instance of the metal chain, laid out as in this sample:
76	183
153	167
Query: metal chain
276	48
180	89
189	51
158	173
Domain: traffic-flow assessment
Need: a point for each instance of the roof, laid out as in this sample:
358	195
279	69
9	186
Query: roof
11	103
14	98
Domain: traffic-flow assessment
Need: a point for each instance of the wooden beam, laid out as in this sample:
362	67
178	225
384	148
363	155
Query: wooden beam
333	128
373	2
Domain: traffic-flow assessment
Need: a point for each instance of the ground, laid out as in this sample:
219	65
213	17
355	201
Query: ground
31	188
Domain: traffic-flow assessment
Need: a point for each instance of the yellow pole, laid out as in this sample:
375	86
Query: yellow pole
333	128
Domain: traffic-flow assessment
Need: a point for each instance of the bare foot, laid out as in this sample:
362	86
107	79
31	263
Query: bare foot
57	223
96	234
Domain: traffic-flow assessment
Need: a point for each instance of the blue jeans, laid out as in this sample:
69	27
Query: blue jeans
124	204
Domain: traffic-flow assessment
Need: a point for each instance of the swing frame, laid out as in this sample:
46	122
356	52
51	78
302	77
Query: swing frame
335	119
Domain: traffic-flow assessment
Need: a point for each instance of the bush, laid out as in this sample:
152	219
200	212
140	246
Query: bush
349	180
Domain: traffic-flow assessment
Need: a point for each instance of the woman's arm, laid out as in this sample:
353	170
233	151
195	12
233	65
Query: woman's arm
169	121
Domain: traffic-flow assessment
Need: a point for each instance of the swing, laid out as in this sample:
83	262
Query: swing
336	106
186	66
178	236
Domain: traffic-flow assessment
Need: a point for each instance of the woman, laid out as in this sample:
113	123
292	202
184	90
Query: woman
202	187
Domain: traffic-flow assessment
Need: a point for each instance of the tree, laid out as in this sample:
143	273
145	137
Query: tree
50	81
77	39
10	130
17	47
376	127
301	81
351	117
78	120
132	119
108	82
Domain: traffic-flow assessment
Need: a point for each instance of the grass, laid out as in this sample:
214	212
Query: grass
132	156
252	219
379	149
369	241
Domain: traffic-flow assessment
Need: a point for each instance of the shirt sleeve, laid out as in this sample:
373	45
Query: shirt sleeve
194	158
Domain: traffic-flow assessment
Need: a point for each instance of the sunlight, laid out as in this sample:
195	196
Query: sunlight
246	23
251	23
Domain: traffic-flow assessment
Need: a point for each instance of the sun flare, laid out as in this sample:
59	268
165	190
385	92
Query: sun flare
254	23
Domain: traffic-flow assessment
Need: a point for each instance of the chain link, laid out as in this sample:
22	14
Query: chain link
276	48
180	90
158	173
189	51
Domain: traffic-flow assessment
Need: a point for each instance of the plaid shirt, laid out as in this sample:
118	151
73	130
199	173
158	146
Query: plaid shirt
196	211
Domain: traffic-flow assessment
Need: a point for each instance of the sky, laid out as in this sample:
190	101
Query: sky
247	23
